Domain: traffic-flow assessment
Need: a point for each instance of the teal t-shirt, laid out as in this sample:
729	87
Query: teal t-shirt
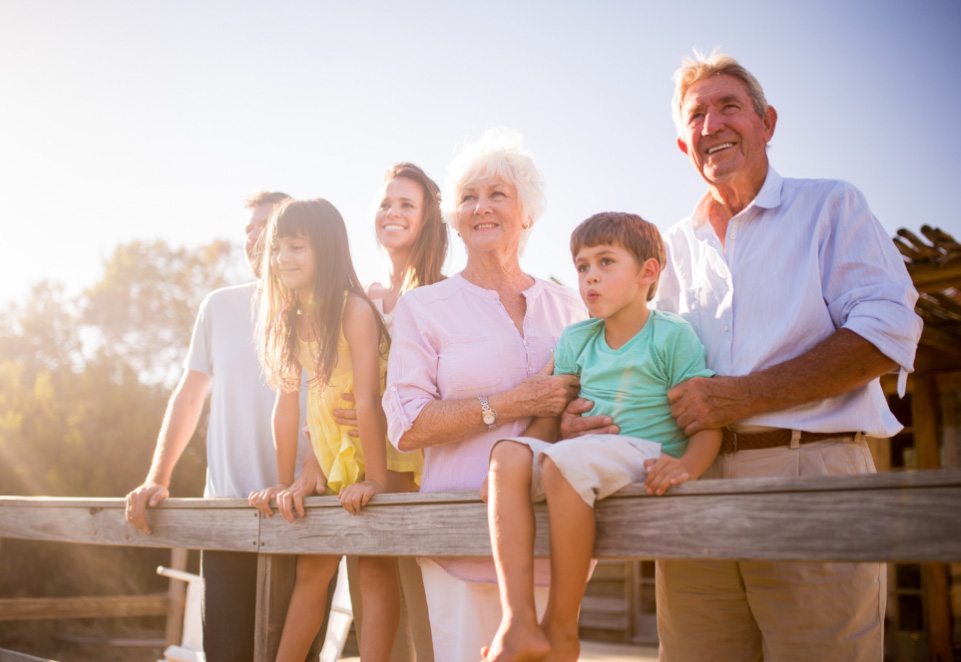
630	384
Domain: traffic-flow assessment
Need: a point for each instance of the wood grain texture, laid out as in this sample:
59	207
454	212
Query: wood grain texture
14	656
194	526
275	583
95	606
884	517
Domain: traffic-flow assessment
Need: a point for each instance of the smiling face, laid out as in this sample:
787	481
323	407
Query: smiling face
490	215
293	260
610	279
400	215
723	134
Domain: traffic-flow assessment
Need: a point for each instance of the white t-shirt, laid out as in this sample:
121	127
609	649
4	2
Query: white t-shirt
240	451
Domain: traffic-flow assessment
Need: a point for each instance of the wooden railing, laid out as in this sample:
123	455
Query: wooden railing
910	516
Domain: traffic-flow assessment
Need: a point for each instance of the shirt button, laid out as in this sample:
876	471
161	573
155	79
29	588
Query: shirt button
727	327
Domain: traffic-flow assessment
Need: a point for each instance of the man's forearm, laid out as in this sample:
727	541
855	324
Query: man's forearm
842	362
179	424
839	364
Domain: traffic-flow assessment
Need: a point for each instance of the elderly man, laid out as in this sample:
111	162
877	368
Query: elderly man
802	302
240	456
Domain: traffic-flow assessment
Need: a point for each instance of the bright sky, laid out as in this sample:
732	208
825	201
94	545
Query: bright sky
128	120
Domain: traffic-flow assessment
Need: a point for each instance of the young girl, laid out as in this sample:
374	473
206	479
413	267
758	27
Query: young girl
410	228
314	315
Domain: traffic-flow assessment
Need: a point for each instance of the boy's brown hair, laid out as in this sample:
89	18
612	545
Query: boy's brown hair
638	237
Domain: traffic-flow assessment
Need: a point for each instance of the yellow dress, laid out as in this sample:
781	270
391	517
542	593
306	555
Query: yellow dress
340	455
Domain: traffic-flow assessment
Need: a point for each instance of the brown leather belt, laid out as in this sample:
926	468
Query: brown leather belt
748	441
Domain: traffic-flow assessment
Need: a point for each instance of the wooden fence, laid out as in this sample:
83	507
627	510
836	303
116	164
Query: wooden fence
910	516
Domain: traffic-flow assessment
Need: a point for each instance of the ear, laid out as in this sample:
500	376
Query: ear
770	122
681	145
649	272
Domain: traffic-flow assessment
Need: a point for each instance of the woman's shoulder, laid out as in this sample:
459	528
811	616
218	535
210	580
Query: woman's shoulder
376	290
427	295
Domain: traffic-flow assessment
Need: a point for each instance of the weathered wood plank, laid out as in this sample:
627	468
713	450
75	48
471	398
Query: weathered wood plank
896	516
275	583
176	599
94	606
14	656
192	526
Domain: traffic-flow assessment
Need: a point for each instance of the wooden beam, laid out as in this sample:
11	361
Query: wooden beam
275	582
228	524
883	517
929	278
176	599
14	656
96	606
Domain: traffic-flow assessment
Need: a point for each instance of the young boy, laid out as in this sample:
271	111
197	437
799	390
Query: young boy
628	357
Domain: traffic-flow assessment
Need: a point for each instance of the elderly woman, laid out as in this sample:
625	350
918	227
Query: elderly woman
470	364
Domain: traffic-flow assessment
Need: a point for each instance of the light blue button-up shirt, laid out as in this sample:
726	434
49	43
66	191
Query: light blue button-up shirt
806	257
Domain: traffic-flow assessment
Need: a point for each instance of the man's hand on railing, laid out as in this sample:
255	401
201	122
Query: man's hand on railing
136	502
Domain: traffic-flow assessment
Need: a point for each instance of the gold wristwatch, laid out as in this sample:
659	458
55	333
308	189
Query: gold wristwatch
488	415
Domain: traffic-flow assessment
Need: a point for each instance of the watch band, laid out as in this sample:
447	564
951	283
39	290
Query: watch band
488	415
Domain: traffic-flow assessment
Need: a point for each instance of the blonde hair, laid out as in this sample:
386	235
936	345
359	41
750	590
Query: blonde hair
500	154
698	67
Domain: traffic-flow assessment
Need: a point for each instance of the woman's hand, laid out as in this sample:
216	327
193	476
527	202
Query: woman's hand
544	394
262	499
356	496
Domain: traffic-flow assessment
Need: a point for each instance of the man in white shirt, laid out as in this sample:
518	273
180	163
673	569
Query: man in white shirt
222	360
802	302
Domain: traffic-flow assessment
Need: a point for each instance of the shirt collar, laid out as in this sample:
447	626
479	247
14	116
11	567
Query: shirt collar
769	197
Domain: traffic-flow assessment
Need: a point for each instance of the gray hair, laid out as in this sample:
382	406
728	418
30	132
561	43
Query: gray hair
499	153
698	67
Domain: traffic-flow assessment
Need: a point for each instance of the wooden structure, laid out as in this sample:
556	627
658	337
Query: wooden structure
923	602
904	516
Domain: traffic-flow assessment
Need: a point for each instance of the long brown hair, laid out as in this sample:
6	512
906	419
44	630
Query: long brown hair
334	278
429	251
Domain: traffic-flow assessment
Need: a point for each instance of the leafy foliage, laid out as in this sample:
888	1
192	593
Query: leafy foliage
83	384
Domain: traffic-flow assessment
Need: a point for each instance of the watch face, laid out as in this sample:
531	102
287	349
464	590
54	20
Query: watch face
489	418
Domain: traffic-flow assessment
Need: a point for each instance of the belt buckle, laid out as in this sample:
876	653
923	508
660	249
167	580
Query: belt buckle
734	445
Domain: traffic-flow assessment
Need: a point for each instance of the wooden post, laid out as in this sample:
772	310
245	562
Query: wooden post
275	582
924	418
177	597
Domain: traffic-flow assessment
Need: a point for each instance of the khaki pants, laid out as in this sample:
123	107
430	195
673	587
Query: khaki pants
731	611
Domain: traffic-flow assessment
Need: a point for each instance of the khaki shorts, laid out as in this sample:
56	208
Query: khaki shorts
733	611
596	465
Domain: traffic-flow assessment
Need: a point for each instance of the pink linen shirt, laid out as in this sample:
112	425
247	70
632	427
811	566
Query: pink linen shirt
454	340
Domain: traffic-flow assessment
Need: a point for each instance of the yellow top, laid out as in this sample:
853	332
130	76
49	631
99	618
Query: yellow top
340	455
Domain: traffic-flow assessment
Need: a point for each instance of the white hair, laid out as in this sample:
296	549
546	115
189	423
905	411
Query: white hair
500	154
700	66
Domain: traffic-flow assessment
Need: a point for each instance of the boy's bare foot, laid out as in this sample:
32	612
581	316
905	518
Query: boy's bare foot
565	646
515	642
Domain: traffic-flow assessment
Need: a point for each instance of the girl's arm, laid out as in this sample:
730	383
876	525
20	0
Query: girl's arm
363	340
285	421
